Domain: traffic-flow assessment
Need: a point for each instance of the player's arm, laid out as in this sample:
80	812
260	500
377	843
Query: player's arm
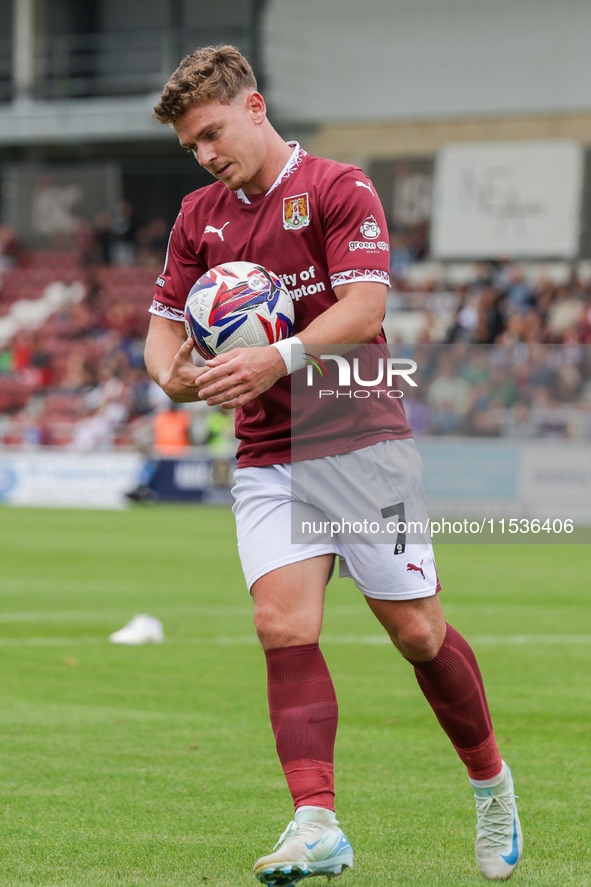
354	319
168	359
234	378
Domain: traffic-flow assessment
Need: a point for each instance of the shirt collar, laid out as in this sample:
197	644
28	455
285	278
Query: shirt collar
297	155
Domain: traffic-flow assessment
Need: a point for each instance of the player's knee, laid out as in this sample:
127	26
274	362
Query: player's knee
276	629
271	629
418	641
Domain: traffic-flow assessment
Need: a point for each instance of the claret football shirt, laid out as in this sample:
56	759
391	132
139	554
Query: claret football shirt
320	225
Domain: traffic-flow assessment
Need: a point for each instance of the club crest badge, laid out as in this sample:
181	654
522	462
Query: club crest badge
370	228
296	212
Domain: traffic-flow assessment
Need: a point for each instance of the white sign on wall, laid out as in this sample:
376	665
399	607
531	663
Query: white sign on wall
48	201
62	479
507	477
517	199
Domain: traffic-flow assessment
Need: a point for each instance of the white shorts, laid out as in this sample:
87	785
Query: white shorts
291	512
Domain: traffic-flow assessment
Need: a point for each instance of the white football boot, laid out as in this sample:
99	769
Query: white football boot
142	629
499	840
311	845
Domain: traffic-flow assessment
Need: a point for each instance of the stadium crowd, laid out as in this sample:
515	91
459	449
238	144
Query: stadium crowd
500	346
118	239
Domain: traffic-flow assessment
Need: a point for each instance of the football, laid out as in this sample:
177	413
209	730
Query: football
237	305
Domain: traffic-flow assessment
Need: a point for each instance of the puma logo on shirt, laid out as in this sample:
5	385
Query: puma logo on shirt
219	231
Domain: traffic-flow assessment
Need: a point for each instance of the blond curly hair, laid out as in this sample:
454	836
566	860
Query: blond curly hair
212	73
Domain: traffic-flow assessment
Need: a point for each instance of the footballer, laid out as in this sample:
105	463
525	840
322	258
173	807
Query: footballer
318	225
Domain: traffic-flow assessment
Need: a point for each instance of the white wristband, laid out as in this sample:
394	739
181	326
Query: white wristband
292	351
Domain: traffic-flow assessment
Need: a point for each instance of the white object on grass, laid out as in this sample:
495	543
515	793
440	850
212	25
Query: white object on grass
142	629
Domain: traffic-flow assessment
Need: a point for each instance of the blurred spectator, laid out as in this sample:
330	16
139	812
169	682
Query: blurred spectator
467	317
6	362
41	361
171	431
22	351
400	255
220	426
139	391
519	422
518	292
418	414
501	387
78	376
418	241
104	236
109	396
94	433
566	310
86	243
123	230
159	233
10	248
449	397
152	243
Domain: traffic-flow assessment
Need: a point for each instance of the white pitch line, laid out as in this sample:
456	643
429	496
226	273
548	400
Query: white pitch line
345	639
128	612
106	615
486	639
541	639
236	610
50	642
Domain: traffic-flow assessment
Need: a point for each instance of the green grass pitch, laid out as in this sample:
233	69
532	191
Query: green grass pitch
156	765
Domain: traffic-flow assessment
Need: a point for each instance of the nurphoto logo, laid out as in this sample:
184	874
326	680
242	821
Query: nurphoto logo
386	369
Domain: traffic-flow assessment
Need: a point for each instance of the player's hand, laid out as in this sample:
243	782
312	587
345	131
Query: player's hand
180	383
234	378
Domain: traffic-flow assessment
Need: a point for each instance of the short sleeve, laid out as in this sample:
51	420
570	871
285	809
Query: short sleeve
355	230
181	269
